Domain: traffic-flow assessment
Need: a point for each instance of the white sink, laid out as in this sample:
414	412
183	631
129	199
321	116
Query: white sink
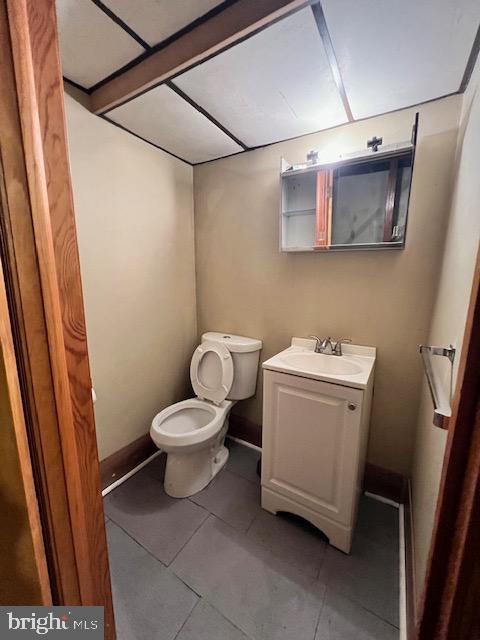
320	363
352	369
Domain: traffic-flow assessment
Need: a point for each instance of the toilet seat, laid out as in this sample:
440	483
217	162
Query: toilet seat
183	425
214	360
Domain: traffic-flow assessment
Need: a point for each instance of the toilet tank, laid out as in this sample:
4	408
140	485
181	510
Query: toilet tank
245	355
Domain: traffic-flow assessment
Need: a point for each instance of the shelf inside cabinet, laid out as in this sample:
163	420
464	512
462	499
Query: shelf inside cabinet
299	212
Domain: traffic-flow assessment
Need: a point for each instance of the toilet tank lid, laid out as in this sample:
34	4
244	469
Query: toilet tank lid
235	344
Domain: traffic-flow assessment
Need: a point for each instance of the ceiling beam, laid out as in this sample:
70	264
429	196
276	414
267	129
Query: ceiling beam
234	23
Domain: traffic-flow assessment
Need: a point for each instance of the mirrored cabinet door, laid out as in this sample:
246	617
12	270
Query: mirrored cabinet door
370	202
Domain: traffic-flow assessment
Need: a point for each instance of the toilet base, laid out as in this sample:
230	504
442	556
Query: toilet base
189	473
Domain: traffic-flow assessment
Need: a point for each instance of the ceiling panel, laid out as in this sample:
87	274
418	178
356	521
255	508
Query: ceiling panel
275	85
395	53
91	44
156	20
164	118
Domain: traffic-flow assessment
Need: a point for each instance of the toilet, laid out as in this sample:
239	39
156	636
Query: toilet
192	433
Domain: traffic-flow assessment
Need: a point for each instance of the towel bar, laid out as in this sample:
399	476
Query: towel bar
441	400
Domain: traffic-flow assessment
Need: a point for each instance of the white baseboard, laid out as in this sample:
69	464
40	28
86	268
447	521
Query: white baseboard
245	443
375	496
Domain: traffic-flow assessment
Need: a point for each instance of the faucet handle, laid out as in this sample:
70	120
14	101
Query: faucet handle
338	345
318	341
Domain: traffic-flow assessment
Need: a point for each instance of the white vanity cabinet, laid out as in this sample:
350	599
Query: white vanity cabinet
313	454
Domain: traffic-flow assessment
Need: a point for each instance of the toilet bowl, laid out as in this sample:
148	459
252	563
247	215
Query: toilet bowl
192	432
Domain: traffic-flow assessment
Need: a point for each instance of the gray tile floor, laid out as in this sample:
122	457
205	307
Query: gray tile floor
218	567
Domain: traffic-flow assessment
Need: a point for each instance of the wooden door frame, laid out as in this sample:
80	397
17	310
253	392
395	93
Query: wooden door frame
9	363
449	607
42	278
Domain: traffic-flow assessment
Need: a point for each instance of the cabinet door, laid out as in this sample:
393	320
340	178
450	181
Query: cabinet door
311	439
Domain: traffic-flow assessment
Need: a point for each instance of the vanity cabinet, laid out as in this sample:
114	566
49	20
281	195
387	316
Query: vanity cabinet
313	454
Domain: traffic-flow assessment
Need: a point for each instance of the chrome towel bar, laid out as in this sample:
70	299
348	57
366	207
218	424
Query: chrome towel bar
441	399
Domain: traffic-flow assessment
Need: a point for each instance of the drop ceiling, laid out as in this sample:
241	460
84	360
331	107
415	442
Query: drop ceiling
318	67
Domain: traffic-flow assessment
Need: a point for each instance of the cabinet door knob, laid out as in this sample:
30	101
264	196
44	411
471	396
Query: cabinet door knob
352	406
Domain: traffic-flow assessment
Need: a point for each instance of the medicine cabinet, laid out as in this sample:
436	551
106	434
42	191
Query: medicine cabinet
357	202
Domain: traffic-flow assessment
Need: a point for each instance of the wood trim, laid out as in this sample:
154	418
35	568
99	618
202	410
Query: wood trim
385	483
153	144
163	43
50	327
331	57
7	352
222	30
409	564
28	326
322	230
449	606
123	25
171	85
126	459
245	429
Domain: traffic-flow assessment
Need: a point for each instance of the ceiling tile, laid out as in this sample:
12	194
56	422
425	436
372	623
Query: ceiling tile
273	86
92	45
156	20
396	53
164	118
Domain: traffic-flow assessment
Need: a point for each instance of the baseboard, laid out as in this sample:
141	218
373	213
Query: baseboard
245	429
386	483
409	566
126	459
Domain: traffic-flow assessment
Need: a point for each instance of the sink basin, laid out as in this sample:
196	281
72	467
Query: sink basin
321	363
354	369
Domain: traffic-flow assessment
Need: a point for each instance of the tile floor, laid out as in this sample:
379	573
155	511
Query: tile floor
218	567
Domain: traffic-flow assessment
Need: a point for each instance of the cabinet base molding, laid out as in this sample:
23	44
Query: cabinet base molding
339	536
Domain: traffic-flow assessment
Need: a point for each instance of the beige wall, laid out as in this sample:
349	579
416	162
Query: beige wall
245	285
134	213
449	315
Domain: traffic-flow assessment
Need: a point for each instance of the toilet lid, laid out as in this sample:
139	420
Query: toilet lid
211	371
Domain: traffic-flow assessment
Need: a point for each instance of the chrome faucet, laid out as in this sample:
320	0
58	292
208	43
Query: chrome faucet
329	347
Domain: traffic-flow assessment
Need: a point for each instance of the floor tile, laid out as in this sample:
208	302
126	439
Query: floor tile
378	522
243	460
231	498
291	538
267	598
159	523
150	602
369	575
206	623
342	619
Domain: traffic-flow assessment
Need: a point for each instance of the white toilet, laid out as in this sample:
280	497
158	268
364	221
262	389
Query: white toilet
223	370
